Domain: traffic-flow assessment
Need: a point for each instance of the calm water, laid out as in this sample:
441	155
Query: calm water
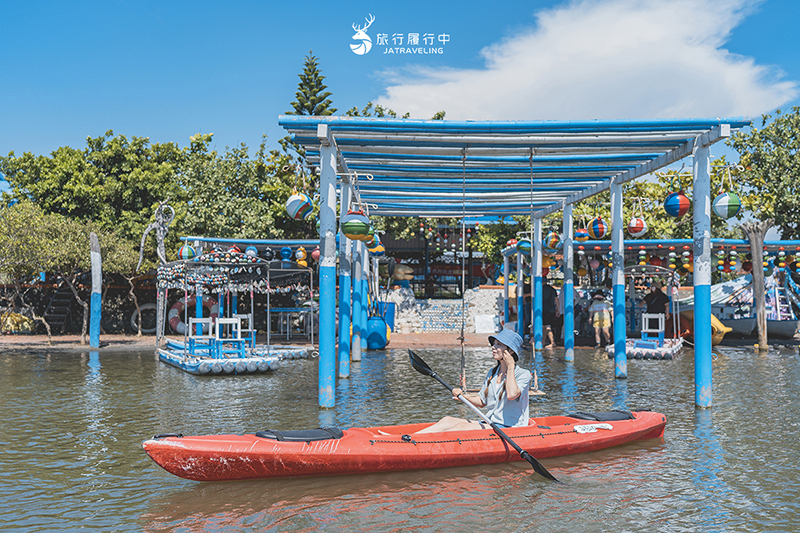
72	424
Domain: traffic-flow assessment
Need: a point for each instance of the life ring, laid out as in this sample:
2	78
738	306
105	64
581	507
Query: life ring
135	318
175	315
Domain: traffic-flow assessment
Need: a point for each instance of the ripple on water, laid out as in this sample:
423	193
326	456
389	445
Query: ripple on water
73	426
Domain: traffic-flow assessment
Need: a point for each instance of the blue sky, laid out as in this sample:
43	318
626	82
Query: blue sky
168	69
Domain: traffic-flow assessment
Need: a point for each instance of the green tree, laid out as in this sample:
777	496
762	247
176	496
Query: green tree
235	195
377	111
25	250
311	96
770	157
114	182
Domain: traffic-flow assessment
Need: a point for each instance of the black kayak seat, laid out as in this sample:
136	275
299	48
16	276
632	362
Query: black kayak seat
603	416
302	435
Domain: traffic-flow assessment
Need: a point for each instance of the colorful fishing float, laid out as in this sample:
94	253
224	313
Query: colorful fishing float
552	241
597	228
676	204
355	225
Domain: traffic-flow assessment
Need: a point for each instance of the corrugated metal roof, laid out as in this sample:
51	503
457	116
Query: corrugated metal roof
440	168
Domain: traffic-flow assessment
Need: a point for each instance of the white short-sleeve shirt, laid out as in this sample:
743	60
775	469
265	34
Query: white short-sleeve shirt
500	409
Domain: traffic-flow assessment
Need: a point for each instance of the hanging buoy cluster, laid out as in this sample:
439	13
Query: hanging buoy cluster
230	256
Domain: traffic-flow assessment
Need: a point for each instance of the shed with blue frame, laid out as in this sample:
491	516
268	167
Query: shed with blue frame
433	168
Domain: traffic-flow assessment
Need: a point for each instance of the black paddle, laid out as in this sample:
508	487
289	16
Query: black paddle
422	367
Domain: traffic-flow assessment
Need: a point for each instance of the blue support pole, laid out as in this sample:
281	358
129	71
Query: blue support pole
364	294
327	269
198	308
506	272
355	342
701	234
536	279
568	288
345	287
520	302
618	282
97	291
234	303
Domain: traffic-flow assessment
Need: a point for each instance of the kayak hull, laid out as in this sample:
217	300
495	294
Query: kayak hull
389	448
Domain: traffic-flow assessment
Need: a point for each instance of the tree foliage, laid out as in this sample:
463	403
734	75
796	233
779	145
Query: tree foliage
114	182
32	241
236	195
311	96
770	156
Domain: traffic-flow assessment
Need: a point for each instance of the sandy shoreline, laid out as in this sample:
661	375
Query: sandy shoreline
108	343
71	343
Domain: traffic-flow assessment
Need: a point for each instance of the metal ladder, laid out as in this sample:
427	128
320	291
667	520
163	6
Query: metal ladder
57	311
783	307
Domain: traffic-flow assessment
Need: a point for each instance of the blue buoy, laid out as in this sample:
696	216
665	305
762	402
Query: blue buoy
376	333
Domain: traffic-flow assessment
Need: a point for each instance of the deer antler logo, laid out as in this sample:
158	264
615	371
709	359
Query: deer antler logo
365	43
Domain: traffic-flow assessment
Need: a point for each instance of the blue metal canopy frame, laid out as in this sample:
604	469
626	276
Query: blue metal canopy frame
458	169
439	168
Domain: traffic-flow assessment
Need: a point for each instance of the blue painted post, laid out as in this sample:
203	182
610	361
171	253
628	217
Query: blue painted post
520	304
198	309
618	282
364	294
701	216
536	278
506	272
97	291
234	303
345	285
568	288
355	342
327	268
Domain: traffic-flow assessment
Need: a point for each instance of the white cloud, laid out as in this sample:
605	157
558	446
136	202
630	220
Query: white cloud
610	59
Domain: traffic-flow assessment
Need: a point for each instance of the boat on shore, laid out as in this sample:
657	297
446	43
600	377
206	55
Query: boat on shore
332	451
732	305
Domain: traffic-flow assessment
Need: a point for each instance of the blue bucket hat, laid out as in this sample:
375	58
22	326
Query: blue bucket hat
509	338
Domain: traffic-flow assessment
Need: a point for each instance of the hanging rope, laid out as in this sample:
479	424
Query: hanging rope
727	174
535	387
463	379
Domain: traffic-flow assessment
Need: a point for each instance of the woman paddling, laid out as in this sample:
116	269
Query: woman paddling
504	392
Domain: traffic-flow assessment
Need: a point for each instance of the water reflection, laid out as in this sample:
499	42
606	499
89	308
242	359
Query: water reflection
619	398
569	389
709	465
73	424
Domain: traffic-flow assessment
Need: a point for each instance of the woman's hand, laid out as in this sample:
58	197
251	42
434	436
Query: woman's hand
509	360
456	393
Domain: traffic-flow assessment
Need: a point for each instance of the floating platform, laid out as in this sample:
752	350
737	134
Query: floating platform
649	349
261	359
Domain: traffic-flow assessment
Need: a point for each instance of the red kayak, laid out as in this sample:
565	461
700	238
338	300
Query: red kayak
331	451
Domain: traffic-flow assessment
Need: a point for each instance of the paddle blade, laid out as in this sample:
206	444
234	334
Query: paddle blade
419	365
537	466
